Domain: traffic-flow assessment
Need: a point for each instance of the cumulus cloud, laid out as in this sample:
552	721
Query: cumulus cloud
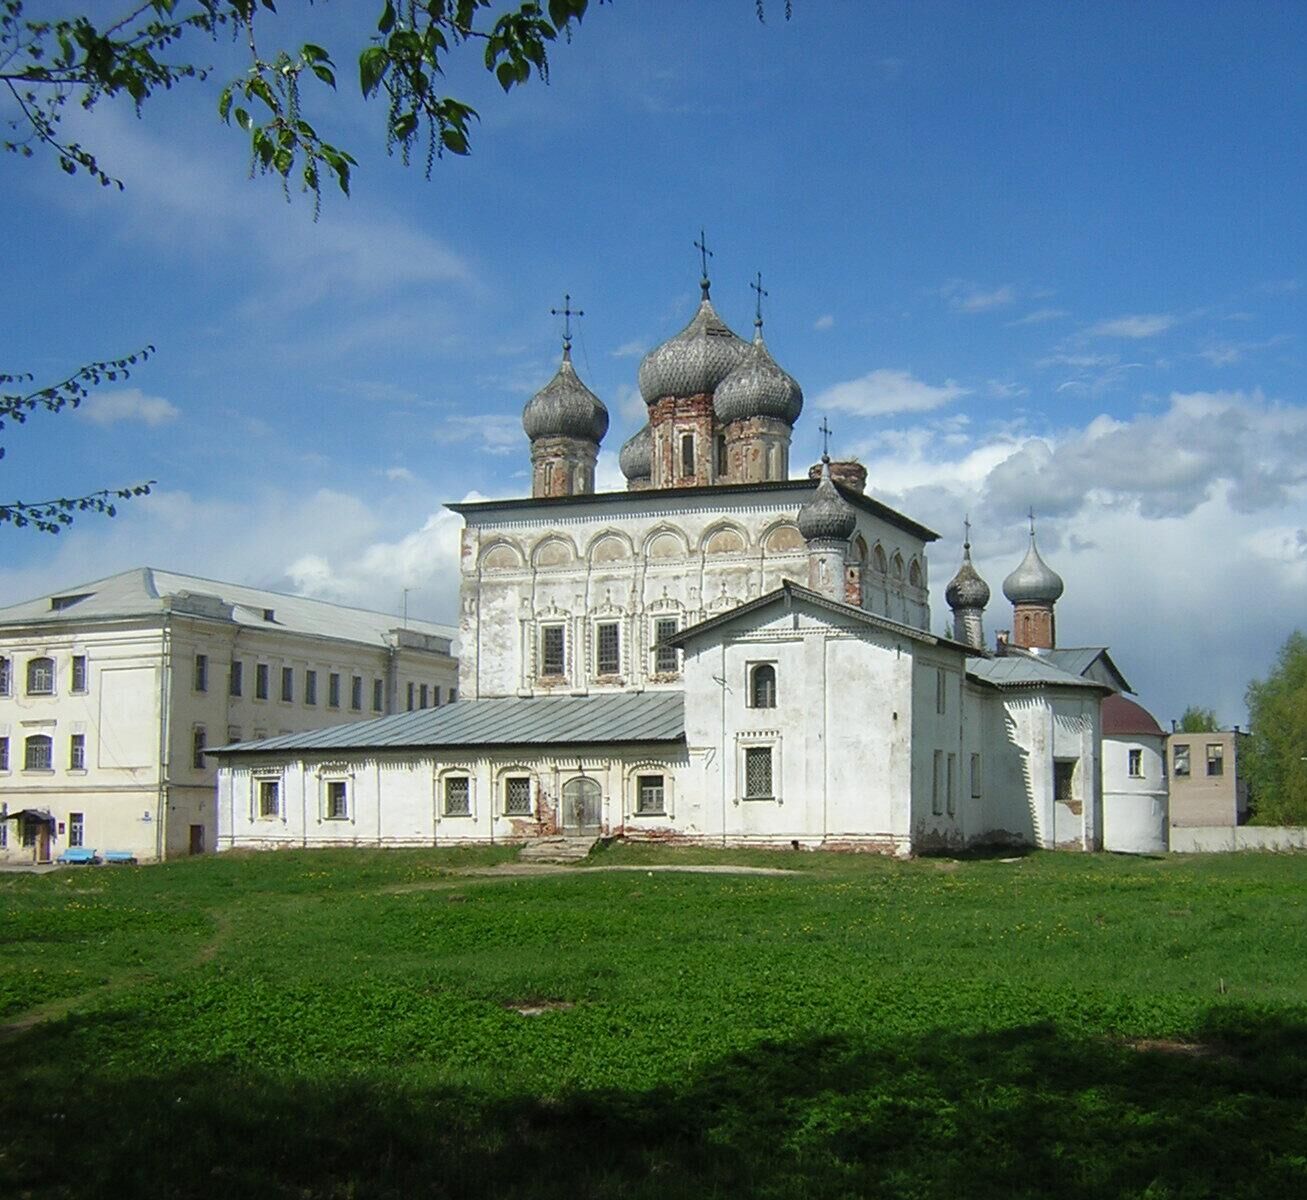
883	391
972	298
129	404
1140	325
496	433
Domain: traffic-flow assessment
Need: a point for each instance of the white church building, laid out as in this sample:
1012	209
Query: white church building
720	653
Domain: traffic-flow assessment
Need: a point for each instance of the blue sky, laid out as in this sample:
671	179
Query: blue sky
1019	255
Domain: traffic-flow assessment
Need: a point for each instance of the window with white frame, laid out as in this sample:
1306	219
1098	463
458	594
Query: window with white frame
267	793
38	753
77	752
77	829
78	680
650	796
6	676
667	659
288	684
1215	758
201	675
976	783
1135	764
517	796
553	651
199	739
937	784
4	753
40	677
335	799
1181	759
762	685
458	796
758	783
608	648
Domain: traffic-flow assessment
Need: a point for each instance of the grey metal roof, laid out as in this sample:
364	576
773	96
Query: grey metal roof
636	457
1020	670
1034	581
693	362
758	387
1080	660
147	591
565	407
510	721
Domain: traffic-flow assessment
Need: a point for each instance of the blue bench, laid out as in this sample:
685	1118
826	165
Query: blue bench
78	854
120	856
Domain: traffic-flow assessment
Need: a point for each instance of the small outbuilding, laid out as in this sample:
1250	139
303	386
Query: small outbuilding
1134	778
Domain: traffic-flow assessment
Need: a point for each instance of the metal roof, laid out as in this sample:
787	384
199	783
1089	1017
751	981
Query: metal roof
1020	670
147	591
1078	659
510	721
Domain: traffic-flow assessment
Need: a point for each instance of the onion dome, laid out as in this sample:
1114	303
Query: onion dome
966	589
565	407
1034	581
636	457
757	387
826	516
695	361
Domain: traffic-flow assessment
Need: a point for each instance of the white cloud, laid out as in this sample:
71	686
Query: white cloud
400	475
883	391
972	298
1040	315
632	349
129	404
1140	325
496	433
824	322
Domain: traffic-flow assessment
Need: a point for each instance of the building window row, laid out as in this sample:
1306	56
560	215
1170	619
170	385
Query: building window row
286	681
38	752
41	675
552	657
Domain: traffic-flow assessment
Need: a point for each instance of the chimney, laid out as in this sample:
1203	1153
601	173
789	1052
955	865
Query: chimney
1001	640
848	474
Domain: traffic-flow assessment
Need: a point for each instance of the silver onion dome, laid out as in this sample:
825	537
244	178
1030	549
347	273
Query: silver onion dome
1034	581
636	456
826	515
757	387
695	361
565	407
966	589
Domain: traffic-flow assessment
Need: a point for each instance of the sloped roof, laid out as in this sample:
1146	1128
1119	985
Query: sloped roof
145	591
1122	717
1079	659
788	593
510	721
1020	670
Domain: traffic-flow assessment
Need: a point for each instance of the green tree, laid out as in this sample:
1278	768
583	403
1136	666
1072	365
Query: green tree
1274	757
1198	720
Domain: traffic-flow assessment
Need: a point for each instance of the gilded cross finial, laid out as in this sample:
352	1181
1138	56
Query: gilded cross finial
567	312
704	255
825	439
757	308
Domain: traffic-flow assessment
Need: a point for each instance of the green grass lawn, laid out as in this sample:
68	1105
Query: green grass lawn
348	1024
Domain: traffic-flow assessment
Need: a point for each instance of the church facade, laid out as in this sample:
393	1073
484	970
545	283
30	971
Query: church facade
718	653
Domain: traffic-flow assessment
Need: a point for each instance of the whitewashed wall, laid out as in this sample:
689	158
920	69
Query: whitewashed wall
1134	807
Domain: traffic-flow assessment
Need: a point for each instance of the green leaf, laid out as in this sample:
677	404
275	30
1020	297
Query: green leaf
373	64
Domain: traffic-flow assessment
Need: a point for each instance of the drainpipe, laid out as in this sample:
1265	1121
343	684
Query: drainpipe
721	767
165	738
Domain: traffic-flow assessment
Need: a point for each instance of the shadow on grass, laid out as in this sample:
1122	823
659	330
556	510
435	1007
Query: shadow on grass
1025	1112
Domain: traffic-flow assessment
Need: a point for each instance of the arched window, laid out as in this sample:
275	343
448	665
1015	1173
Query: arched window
878	559
40	677
898	566
914	574
762	686
38	753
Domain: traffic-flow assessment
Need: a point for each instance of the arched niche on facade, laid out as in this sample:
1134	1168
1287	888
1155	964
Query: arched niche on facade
896	566
783	538
915	577
665	543
724	539
502	556
554	551
610	547
878	558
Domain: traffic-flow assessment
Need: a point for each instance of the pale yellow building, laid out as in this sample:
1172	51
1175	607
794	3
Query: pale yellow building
111	692
1207	785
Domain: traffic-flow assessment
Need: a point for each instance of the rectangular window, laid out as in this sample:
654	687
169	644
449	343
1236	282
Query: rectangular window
333	690
649	795
951	793
310	687
198	742
1181	760
4	754
378	695
40	677
79	673
666	659
77	752
517	796
288	684
757	773
356	693
1135	764
269	791
975	777
687	454
458	796
941	696
261	681
4	826
721	457
1064	776
608	650
435	695
38	753
77	829
235	677
337	800
233	734
411	692
6	676
937	784
201	672
424	695
1215	759
553	651
453	695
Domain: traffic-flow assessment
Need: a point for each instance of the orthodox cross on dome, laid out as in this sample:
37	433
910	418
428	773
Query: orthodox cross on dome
567	312
757	308
1031	515
704	254
825	439
966	538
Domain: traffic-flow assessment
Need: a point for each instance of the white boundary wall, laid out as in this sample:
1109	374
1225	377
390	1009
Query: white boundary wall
1205	839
